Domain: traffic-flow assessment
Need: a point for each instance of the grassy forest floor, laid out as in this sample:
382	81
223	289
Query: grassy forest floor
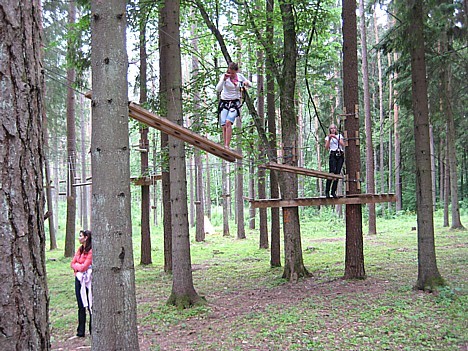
249	307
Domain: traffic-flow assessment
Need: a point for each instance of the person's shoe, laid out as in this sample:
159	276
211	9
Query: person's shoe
334	195
328	196
80	335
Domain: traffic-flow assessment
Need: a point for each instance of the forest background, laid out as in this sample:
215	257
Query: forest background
319	99
318	71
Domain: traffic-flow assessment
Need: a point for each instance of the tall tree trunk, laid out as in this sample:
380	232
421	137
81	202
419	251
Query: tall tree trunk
433	169
354	260
368	120
381	109
200	204
226	196
275	254
294	266
192	191
446	185
208	188
50	206
71	148
113	268
396	129
183	292
24	308
261	182
252	210
199	190
428	273
452	154
144	155
156	188
165	175
84	152
391	144
240	187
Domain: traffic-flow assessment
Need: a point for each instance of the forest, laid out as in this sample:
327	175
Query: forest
111	124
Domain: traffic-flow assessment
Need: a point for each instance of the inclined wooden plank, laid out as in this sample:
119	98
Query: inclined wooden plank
171	128
300	170
319	201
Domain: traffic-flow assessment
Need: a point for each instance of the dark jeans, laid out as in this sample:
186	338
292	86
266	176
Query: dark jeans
80	331
335	163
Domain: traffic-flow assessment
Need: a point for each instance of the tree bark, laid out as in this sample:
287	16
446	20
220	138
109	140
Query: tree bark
71	148
294	266
275	249
199	189
113	266
200	205
368	120
226	196
428	273
84	151
433	168
145	230
208	188
381	109
396	129
261	181
24	304
240	188
446	178
183	294
48	182
165	174
354	258
451	138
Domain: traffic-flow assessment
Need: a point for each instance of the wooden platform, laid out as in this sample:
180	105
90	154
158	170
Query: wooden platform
320	201
145	180
300	170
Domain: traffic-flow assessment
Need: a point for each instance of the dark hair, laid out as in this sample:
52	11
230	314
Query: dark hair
234	66
88	244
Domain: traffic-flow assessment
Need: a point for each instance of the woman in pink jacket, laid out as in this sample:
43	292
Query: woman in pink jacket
81	265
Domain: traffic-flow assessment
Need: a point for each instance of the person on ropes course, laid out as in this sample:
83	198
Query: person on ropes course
334	142
230	85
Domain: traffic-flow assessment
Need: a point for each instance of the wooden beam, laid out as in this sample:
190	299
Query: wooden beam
145	180
179	132
320	201
163	124
82	184
300	170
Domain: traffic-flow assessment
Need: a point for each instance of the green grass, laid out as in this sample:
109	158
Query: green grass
323	312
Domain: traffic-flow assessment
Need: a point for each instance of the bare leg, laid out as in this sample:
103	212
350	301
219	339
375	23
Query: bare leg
224	134
227	133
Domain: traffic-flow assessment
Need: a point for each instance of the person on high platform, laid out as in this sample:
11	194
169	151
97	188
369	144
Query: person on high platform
334	142
230	85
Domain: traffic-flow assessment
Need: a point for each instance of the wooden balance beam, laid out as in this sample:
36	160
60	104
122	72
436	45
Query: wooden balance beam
319	201
163	124
299	170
